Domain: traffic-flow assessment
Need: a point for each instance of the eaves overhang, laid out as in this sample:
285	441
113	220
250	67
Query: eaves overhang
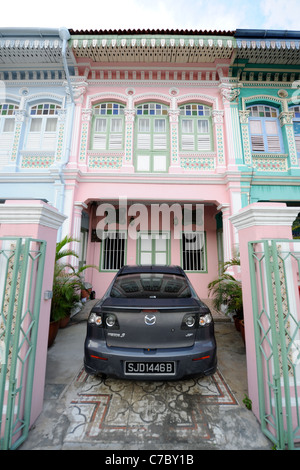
143	46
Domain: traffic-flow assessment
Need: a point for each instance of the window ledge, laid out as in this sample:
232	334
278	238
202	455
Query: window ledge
269	155
38	153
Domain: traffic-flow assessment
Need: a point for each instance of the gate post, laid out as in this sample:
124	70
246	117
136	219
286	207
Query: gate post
38	220
256	222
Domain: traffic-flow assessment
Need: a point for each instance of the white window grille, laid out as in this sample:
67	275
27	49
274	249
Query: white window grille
193	251
113	250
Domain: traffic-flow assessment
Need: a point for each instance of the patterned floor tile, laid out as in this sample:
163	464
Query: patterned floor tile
111	409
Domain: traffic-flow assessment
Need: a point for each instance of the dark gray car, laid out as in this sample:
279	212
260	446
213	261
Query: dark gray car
150	324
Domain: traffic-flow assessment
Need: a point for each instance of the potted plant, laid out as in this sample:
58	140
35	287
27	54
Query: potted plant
67	284
226	291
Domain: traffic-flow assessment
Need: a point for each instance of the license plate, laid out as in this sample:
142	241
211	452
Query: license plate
154	368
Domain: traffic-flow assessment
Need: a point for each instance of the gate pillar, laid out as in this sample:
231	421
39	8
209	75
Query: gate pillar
258	221
38	220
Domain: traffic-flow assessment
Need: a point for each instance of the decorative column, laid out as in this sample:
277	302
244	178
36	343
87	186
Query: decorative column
20	115
286	122
129	131
244	120
86	116
174	140
77	213
218	120
227	236
229	94
61	132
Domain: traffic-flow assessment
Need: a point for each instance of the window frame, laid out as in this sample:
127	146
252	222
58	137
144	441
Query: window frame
189	269
103	258
296	120
117	113
153	251
264	135
157	141
195	113
4	119
45	111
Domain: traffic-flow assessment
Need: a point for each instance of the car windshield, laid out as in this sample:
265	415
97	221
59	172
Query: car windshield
150	285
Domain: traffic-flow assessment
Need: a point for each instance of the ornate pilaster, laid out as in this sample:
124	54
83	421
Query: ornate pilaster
218	120
86	115
174	141
129	131
20	115
62	114
286	122
244	119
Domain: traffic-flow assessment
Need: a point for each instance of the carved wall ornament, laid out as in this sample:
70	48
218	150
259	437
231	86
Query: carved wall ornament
230	94
217	116
282	93
244	116
286	117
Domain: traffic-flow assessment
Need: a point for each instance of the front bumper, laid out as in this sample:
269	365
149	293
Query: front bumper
200	359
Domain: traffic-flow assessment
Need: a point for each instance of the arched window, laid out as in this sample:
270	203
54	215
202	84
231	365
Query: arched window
152	138
7	125
265	132
108	127
42	127
195	128
296	125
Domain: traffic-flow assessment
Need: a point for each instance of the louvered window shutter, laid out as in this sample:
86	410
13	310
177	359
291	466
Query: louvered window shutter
115	141
203	142
144	142
273	141
7	135
187	142
257	142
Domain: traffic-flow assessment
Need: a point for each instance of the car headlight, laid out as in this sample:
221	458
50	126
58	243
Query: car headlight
205	319
188	321
110	320
95	319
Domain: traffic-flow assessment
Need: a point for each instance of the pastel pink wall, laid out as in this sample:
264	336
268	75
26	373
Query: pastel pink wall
256	222
35	219
101	280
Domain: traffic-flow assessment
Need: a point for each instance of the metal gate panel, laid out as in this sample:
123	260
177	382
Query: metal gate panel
274	271
21	277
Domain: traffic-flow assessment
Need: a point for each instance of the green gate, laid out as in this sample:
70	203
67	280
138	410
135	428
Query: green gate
21	276
274	271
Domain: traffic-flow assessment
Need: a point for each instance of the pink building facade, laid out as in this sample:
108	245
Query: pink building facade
152	158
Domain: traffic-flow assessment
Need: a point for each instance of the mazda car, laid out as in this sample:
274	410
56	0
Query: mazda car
150	325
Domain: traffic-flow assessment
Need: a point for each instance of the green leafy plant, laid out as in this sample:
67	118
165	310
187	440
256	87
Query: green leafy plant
67	282
227	291
247	402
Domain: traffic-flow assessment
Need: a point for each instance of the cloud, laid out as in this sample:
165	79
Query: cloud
222	15
281	14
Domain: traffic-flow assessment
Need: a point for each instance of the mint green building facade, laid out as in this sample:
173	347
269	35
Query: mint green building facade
265	109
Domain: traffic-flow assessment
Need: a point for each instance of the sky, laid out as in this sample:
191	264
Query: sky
221	15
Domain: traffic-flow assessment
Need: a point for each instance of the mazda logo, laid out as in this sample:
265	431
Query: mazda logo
150	319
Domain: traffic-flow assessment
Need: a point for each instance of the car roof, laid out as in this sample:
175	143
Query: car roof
151	269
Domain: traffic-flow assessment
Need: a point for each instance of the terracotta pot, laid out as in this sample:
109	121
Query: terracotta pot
237	323
84	294
53	329
64	321
242	330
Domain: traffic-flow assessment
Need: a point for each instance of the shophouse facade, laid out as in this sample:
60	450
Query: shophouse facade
157	137
152	161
